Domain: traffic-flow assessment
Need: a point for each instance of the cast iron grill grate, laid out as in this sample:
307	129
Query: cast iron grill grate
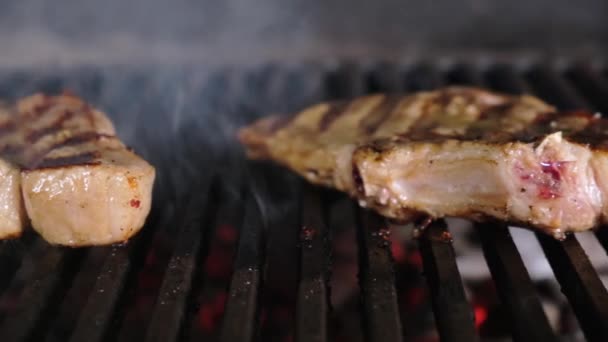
243	251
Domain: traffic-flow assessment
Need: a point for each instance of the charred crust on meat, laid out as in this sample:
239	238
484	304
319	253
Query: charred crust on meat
7	127
358	181
380	113
81	139
280	121
82	159
55	126
497	110
46	104
334	110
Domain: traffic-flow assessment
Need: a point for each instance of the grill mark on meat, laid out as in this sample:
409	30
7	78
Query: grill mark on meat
443	98
497	111
80	139
86	158
334	111
89	114
281	122
423	124
10	149
379	114
37	111
595	133
53	127
7	127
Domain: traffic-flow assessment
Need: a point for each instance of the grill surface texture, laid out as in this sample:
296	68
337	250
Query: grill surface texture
238	250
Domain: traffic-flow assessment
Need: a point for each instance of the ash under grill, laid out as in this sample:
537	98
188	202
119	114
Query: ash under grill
242	251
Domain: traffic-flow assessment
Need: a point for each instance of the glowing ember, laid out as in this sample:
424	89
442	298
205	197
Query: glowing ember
481	315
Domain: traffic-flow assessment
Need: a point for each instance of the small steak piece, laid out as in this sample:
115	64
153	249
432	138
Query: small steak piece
12	212
457	151
79	184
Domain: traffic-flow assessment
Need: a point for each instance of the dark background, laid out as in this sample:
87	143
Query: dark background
244	31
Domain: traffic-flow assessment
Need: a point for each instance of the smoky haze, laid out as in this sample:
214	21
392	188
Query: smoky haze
243	31
170	112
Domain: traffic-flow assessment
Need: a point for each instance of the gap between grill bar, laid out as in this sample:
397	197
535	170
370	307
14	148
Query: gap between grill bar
452	311
241	315
382	320
577	277
39	296
170	307
515	288
11	255
313	294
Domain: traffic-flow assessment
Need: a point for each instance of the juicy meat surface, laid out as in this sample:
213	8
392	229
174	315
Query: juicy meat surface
63	168
457	151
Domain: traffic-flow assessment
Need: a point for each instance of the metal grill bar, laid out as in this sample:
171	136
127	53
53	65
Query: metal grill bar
46	270
514	285
74	300
170	307
504	78
313	293
580	283
572	268
240	318
591	84
423	77
100	311
345	82
376	276
465	74
452	311
386	78
515	288
377	280
549	85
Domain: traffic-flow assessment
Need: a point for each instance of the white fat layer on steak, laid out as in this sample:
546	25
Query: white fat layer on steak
552	186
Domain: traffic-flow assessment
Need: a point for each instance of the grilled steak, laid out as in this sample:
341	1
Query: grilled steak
457	151
63	166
